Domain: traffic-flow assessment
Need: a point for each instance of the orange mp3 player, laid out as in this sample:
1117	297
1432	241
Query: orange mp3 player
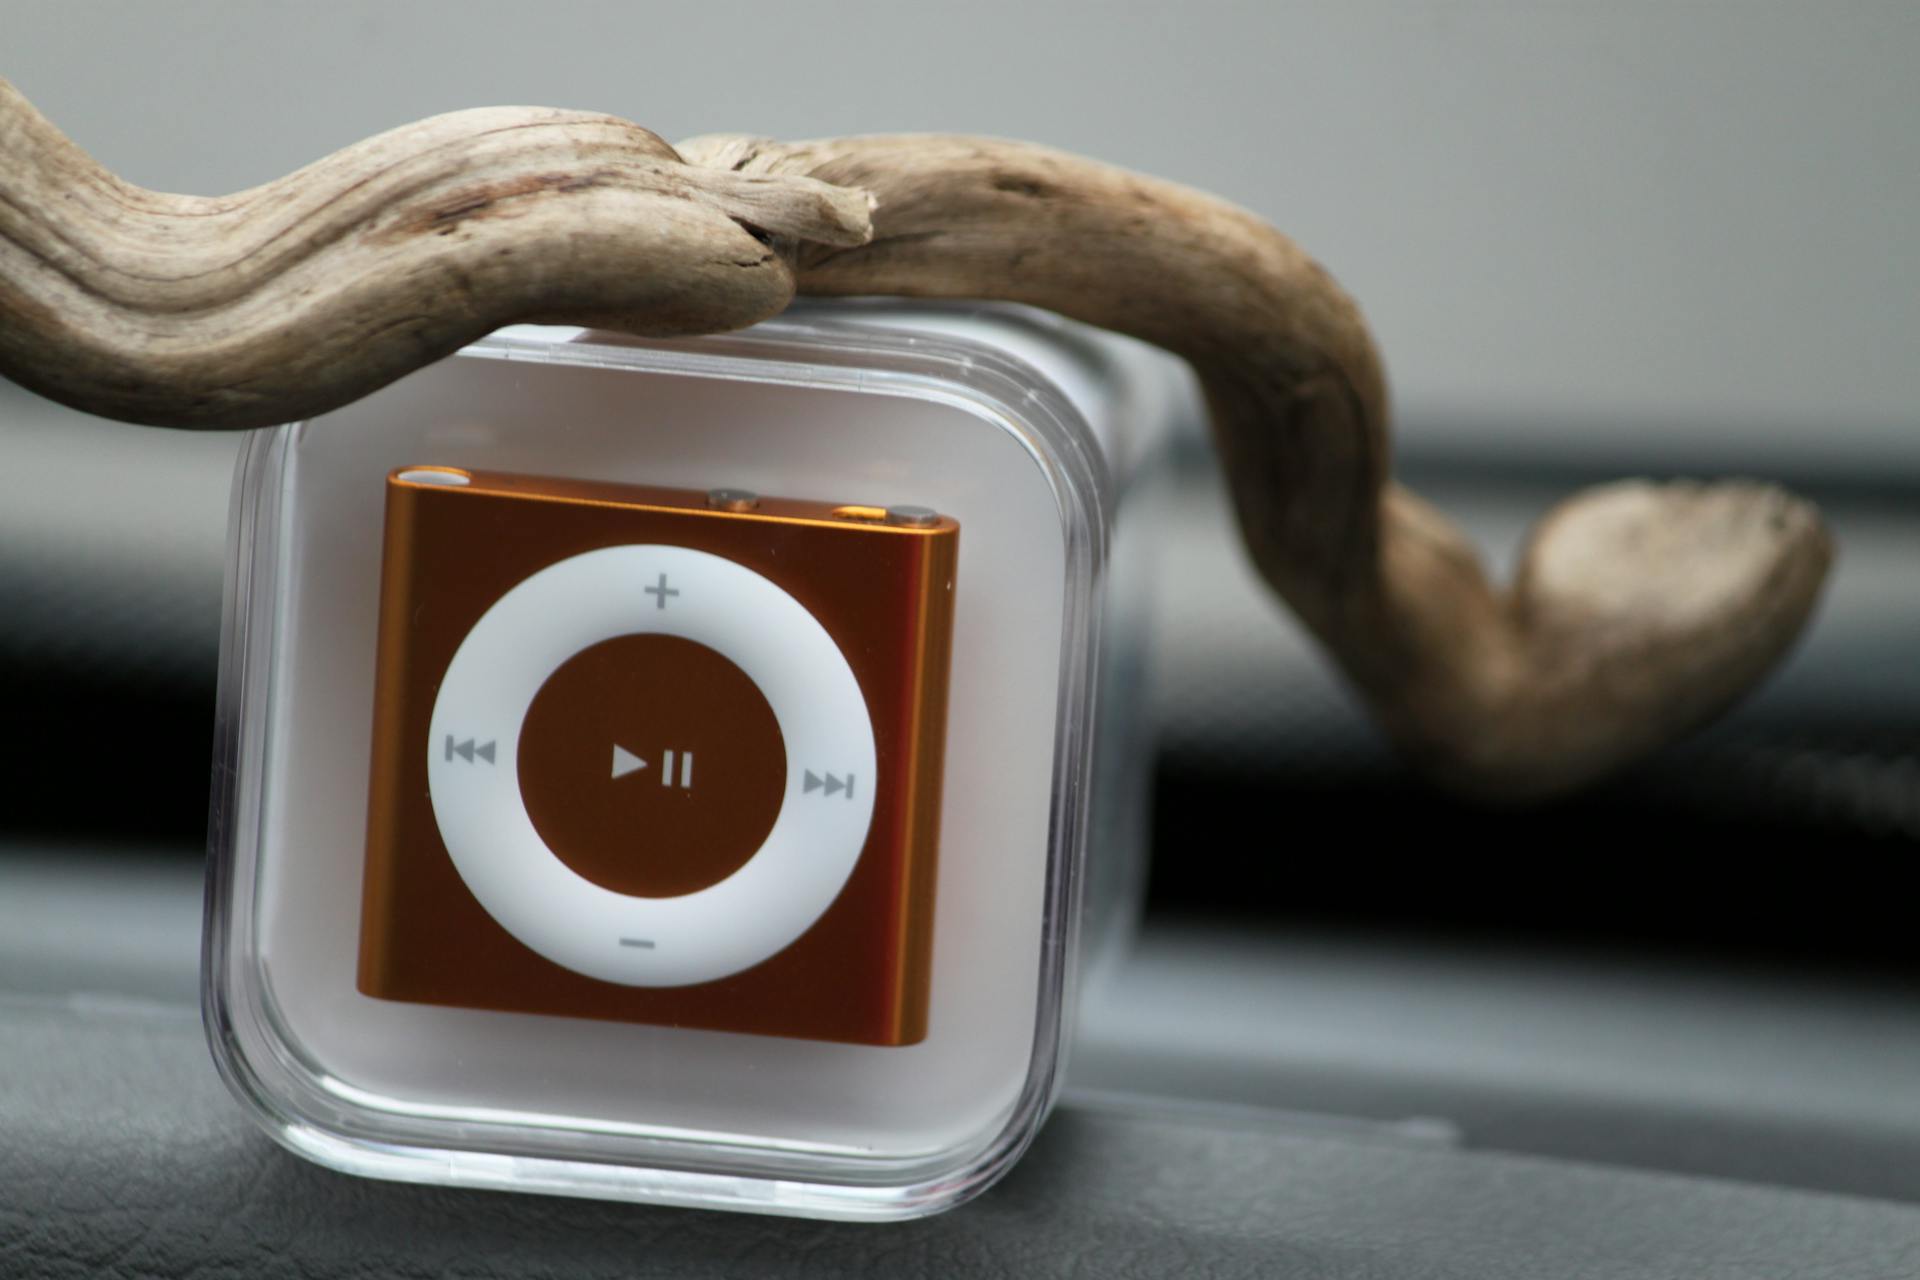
657	756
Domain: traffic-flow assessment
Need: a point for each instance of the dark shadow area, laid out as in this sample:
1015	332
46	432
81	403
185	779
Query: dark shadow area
1782	852
91	758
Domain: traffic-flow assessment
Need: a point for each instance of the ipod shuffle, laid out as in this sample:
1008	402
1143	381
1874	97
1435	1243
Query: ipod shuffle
667	771
644	757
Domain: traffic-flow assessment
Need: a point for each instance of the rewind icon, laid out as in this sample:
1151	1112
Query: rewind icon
467	750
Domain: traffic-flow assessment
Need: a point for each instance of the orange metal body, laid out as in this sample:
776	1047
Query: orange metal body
884	592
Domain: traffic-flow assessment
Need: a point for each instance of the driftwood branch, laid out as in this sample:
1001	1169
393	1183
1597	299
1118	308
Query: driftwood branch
293	298
1639	611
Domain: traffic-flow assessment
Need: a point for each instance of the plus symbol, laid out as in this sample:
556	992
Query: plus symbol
661	591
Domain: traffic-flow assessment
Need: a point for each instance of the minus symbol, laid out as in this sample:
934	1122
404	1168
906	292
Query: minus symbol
643	943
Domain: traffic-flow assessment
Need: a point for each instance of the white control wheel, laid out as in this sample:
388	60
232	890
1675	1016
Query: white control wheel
473	765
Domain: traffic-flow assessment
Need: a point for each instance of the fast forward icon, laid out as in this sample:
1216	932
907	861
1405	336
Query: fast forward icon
828	785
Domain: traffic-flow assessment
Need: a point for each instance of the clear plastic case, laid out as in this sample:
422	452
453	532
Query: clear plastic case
942	409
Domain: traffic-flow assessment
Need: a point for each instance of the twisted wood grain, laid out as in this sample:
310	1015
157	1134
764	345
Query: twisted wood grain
1638	612
295	297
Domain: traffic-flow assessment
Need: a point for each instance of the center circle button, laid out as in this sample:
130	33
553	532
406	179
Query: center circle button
583	884
651	765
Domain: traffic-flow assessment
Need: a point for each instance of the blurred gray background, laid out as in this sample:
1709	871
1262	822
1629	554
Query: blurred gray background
1683	227
1594	238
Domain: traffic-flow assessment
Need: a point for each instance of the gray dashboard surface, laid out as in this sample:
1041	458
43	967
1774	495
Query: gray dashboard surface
1783	1080
122	1155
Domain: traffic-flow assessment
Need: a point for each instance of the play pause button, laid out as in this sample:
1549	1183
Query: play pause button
651	765
626	762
